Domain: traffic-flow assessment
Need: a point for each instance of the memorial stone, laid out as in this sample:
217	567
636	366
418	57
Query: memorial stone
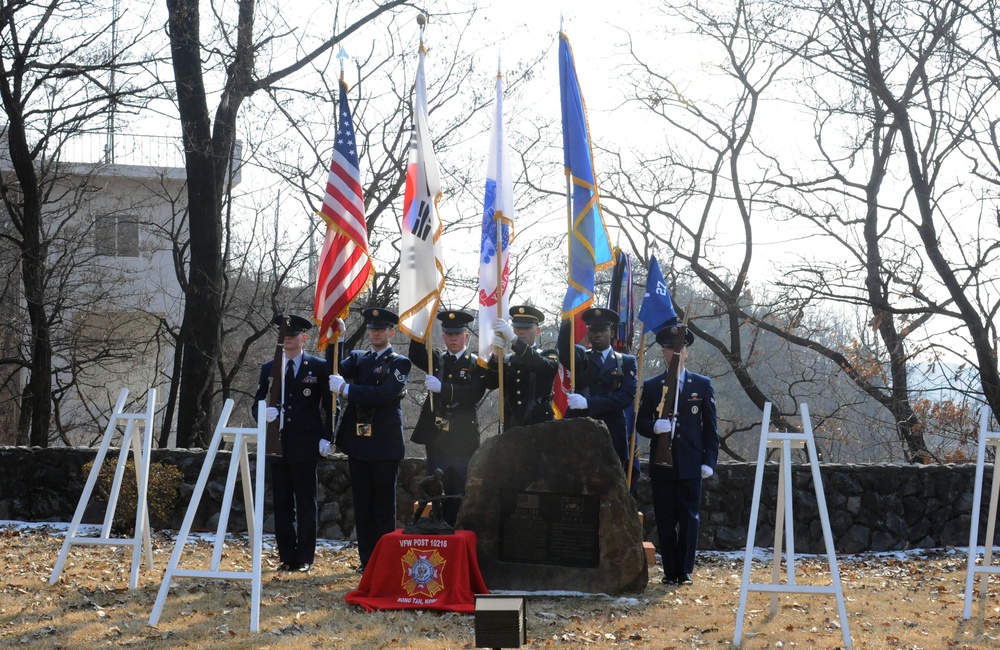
552	512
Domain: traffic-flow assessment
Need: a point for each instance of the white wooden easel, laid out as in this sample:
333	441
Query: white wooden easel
253	498
786	442
991	439
140	440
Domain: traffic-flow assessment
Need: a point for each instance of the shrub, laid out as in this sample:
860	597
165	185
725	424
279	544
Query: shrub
161	498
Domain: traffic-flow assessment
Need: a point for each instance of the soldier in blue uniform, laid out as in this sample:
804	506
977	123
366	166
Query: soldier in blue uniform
695	446
304	415
371	428
606	381
528	371
450	430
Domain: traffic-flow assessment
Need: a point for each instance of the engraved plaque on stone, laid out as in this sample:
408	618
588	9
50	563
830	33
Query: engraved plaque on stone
548	528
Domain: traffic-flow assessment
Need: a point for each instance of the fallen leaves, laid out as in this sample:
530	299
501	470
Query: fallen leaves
890	600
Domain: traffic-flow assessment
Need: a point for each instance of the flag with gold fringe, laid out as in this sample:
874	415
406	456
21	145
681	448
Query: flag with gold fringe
421	265
345	267
589	245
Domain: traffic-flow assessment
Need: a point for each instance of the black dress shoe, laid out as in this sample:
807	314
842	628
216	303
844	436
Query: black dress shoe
361	569
685	579
285	566
302	568
670	580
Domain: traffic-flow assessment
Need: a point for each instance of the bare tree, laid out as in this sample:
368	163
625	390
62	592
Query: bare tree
717	199
899	185
55	63
209	143
910	83
703	208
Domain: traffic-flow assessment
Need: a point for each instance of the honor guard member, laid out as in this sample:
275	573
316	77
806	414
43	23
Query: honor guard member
606	380
371	427
450	430
304	425
528	371
695	444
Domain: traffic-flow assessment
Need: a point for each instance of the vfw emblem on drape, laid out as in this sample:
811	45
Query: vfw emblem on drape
422	572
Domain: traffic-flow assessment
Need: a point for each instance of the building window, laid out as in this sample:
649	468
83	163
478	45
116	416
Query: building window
116	235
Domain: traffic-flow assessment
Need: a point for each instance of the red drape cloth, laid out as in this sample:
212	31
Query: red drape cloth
421	572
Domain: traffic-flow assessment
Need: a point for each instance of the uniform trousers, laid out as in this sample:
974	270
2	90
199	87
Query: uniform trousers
373	486
293	492
456	470
675	503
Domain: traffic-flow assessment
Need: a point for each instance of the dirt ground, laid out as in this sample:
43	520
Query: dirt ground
910	601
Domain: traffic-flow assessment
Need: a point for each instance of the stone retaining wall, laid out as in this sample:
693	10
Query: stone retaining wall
872	507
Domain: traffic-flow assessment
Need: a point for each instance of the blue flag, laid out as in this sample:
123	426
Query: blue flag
657	308
589	245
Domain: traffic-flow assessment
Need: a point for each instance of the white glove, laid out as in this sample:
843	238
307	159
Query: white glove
324	447
503	332
433	384
340	325
336	383
576	401
663	426
706	471
271	414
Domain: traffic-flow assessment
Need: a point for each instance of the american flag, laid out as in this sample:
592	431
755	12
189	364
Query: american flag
345	268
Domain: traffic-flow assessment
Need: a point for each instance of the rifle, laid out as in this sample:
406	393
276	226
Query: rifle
272	443
664	447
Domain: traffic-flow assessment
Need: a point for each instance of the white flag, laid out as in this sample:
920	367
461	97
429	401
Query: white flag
498	209
421	269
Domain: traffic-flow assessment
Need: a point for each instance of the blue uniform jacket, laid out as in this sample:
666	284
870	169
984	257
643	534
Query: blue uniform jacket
374	398
696	440
609	388
306	408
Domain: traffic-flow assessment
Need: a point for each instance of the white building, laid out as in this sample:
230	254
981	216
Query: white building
116	230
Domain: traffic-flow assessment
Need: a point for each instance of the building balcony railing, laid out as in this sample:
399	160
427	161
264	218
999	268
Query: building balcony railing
158	151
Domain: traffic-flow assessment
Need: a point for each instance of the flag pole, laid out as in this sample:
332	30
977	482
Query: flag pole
500	348
635	405
331	357
429	333
498	216
569	261
335	340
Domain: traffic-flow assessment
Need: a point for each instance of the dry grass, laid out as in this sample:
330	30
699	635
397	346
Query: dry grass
892	602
